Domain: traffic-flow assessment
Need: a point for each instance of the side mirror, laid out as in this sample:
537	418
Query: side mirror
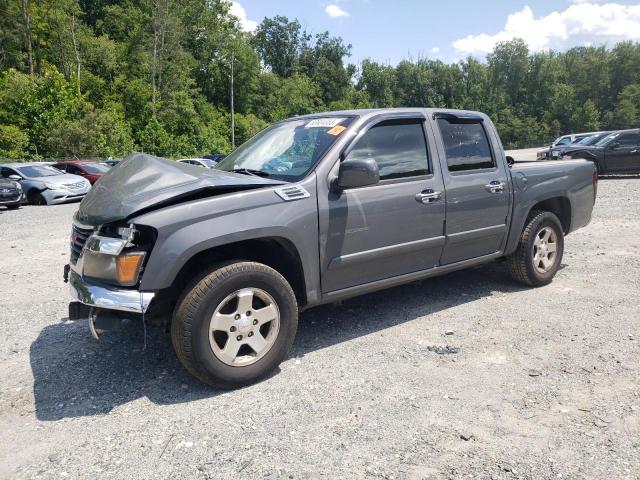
614	146
15	178
510	160
358	172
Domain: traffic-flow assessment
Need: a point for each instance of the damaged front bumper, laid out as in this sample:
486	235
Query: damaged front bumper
107	297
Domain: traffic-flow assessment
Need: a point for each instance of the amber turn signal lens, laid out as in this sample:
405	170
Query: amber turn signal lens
128	268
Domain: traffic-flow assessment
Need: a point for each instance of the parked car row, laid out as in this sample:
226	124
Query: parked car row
551	152
48	183
612	151
43	184
617	152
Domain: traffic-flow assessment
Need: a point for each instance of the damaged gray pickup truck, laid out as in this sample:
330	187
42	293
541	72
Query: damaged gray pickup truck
313	209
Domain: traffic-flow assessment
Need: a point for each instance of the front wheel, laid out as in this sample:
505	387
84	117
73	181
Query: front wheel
235	325
36	198
539	254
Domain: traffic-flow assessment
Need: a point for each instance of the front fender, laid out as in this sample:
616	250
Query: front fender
184	230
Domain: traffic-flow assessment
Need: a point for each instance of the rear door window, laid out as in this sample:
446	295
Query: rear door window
399	148
466	145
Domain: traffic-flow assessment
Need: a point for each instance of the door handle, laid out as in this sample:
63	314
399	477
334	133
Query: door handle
634	151
495	186
428	196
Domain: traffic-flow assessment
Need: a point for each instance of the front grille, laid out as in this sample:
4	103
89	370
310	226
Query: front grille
74	186
6	194
78	239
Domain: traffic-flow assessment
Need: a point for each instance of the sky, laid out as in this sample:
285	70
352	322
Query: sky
450	30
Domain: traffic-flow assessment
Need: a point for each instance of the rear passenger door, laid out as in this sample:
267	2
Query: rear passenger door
477	186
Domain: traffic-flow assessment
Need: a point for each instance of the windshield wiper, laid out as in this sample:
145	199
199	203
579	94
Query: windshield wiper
250	171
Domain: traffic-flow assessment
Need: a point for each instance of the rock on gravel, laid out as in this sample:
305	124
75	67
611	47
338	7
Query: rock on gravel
361	396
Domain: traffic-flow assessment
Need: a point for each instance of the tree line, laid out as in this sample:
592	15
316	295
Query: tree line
106	77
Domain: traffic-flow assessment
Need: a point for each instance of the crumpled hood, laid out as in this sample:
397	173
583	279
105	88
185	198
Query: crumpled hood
143	181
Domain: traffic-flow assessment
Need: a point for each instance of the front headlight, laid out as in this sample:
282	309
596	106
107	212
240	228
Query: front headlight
54	186
117	260
18	186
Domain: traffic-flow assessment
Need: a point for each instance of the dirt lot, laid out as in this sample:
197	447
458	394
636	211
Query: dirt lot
544	385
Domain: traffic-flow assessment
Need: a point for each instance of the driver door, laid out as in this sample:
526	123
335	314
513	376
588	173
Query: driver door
389	229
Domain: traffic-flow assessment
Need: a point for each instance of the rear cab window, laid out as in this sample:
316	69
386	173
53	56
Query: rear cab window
466	145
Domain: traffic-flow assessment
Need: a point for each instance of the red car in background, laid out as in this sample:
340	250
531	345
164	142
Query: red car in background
92	171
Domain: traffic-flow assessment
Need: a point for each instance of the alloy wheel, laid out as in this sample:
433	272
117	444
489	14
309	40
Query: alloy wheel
244	327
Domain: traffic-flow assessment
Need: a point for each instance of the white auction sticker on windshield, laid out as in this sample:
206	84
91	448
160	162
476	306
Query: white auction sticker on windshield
323	122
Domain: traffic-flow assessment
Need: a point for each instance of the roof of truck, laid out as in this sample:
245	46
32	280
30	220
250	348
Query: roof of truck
377	111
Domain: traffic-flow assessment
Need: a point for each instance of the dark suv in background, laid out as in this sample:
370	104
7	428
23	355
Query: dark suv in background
618	152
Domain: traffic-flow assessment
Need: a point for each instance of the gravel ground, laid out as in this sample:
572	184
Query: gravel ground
544	384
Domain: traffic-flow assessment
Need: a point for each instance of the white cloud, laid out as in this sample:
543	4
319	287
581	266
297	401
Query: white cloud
581	24
246	25
435	50
335	11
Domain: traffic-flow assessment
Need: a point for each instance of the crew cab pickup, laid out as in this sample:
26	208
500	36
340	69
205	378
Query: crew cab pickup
313	209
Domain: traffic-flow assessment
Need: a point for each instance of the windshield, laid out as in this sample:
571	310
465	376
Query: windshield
96	167
607	139
286	150
35	171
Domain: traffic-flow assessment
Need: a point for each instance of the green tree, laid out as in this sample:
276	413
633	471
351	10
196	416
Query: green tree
627	110
508	67
378	81
13	142
280	42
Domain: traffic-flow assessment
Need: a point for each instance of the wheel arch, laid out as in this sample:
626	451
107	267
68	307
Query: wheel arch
560	206
276	252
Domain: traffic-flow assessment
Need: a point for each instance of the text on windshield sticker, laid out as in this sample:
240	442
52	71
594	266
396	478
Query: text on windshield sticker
323	122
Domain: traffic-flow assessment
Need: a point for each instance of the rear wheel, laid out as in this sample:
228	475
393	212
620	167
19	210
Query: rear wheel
539	252
36	198
235	325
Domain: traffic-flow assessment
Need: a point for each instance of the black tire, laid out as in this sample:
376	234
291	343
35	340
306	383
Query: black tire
36	198
521	262
13	207
191	322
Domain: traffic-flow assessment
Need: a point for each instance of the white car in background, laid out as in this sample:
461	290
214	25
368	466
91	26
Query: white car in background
45	185
201	162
